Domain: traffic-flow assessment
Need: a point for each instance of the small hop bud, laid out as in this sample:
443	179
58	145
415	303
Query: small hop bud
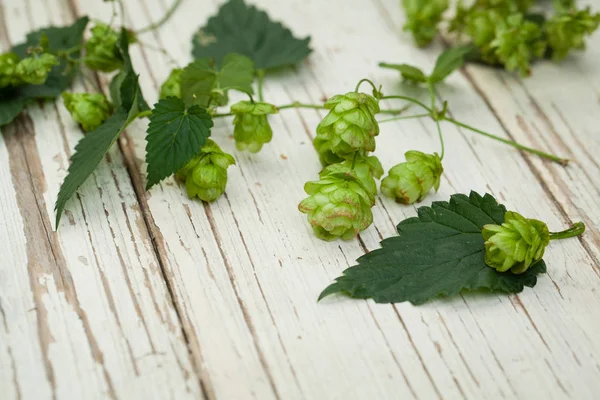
423	17
567	30
35	69
205	175
517	43
251	126
339	204
517	244
8	70
410	181
90	110
172	86
101	49
349	127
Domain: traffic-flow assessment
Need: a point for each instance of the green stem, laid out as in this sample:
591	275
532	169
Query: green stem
439	129
575	230
222	115
297	104
144	114
161	22
409	99
365	80
559	160
261	76
403	117
396	111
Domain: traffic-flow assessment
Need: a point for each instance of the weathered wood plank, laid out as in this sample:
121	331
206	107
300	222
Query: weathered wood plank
86	312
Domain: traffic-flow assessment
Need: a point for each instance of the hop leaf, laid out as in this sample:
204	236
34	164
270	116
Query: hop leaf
517	244
90	110
339	204
102	53
205	175
348	128
411	181
8	70
438	253
422	18
35	69
251	127
566	31
172	86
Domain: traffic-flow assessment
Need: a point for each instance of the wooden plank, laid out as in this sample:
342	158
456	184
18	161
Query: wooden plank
245	271
268	262
86	312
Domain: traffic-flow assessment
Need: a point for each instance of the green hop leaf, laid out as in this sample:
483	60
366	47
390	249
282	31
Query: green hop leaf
35	69
202	82
59	39
517	43
349	127
101	49
172	86
205	175
240	28
422	18
8	70
408	72
339	204
175	135
251	127
411	181
90	150
566	31
440	252
449	61
517	244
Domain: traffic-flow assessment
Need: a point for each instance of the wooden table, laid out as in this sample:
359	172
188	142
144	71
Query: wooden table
156	296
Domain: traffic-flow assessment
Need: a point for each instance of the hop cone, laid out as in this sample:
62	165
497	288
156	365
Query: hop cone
101	50
410	181
172	86
339	204
517	244
251	127
518	42
567	31
205	175
8	70
90	110
423	17
35	69
349	127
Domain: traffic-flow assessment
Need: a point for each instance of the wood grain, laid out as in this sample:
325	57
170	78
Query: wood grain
181	299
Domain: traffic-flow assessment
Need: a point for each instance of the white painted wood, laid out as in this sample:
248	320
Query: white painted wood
245	271
86	312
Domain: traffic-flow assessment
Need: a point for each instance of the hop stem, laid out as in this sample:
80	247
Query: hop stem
409	99
365	80
404	117
163	20
261	76
561	161
575	230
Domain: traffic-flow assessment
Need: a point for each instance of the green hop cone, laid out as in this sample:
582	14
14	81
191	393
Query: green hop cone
411	181
517	244
566	31
517	43
101	49
423	18
35	69
205	176
366	169
172	86
339	204
8	70
251	125
89	110
348	128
